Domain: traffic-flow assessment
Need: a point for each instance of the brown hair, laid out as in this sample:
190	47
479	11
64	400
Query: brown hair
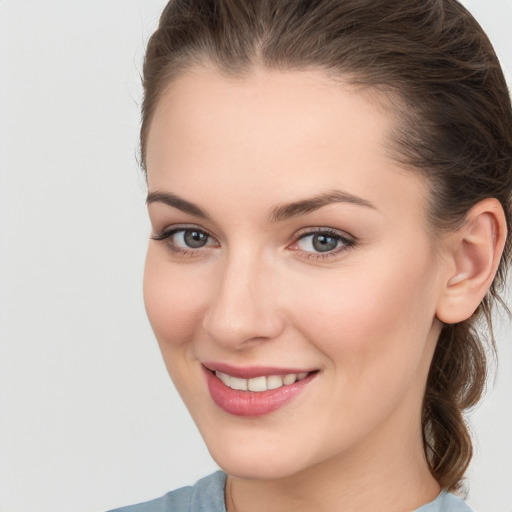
431	60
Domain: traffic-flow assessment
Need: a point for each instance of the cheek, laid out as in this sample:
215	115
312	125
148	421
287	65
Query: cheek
376	318
172	299
374	330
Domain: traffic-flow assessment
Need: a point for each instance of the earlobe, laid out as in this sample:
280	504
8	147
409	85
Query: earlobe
474	253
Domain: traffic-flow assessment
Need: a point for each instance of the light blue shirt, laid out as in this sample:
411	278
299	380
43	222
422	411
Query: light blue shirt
207	495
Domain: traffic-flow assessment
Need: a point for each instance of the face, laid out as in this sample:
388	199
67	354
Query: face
290	256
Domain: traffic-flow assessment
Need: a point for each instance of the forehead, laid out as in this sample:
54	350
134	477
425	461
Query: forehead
272	131
300	107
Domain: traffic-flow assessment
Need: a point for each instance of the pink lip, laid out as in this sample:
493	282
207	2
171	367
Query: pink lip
249	403
249	372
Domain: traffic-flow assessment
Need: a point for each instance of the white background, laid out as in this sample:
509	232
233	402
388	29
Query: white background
88	417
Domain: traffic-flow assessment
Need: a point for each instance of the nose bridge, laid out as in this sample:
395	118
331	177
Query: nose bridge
243	308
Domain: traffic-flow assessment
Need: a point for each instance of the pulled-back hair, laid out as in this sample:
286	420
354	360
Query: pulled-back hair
440	76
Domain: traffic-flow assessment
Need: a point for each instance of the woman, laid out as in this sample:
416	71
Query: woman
329	188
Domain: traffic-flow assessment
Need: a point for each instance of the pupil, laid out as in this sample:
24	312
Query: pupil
324	243
195	239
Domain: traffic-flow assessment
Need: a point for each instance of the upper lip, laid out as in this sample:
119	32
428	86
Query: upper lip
249	372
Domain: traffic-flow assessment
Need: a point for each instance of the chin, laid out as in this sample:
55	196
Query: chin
257	459
257	468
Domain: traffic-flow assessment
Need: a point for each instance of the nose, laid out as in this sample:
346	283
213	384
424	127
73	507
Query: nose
244	306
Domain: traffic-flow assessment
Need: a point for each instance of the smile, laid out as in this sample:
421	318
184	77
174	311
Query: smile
259	384
253	392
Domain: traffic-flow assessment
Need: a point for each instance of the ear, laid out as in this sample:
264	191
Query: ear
473	254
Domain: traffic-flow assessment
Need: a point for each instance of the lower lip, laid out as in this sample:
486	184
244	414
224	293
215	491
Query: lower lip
251	403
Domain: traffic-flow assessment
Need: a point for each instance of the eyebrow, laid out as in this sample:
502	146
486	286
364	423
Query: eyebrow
277	214
176	202
305	206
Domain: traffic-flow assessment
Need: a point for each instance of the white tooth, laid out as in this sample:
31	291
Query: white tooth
302	375
257	384
240	384
224	378
289	379
274	381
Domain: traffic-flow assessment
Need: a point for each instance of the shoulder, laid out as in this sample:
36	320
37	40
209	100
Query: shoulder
445	502
207	495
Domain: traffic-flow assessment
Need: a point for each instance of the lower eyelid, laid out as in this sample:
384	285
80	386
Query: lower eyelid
167	235
346	243
343	238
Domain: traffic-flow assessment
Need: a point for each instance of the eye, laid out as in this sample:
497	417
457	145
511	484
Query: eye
322	242
186	240
192	238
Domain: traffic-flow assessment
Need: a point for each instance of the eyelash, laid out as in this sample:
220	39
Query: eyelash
347	242
165	236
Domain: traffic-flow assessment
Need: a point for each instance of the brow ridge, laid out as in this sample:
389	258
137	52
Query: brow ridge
176	202
278	213
305	206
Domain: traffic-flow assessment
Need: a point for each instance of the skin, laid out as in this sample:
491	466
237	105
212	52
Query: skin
364	316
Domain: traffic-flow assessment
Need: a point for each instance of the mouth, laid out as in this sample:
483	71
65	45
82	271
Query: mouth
260	384
255	391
